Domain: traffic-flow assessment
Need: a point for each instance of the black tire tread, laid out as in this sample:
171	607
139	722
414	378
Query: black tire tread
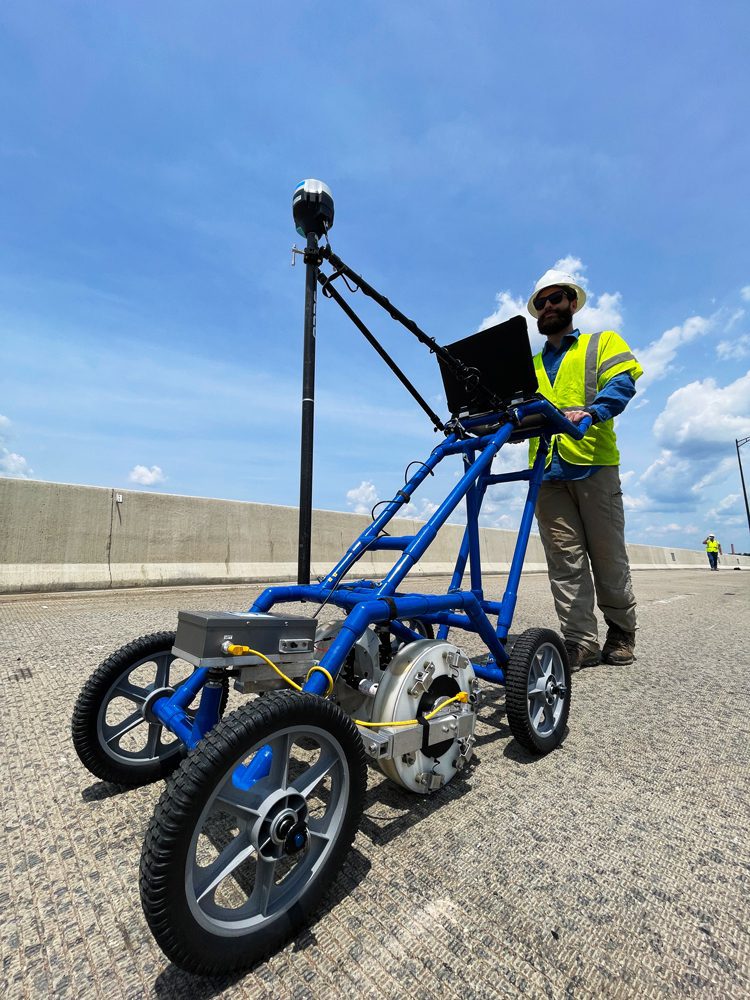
516	689
86	710
179	809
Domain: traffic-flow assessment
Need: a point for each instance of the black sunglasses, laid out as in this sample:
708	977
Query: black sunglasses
554	297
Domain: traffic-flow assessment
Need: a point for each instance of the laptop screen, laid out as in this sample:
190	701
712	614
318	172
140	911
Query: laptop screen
501	356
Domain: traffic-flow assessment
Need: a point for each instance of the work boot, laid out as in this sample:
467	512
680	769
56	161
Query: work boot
581	656
619	649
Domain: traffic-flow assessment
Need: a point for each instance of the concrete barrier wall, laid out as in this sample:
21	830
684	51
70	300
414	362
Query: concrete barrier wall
55	536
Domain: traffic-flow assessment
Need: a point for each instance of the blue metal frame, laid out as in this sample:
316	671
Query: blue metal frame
369	602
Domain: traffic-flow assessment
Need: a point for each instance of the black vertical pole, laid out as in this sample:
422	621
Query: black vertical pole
308	412
738	443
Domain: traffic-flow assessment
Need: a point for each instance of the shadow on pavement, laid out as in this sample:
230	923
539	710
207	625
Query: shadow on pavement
176	984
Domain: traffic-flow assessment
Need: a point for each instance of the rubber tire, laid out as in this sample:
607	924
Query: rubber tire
516	690
425	629
165	851
86	712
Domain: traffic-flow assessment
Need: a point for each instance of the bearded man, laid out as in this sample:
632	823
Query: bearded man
579	510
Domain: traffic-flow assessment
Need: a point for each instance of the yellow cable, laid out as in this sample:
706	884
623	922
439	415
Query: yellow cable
235	650
246	651
462	696
317	666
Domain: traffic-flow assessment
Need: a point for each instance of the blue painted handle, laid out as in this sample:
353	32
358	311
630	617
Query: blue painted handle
577	431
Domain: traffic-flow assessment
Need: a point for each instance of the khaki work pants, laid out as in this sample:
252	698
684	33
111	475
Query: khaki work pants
583	522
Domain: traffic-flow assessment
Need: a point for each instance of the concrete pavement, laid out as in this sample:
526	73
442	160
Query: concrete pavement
617	866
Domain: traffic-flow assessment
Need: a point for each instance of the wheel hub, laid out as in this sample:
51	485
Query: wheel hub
297	839
153	697
283	828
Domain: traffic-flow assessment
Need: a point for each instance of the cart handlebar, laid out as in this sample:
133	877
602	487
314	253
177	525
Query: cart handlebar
580	428
533	417
554	419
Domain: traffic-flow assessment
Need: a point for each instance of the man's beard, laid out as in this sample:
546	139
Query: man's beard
553	322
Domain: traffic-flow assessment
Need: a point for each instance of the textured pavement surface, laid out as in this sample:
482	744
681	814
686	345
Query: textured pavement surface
618	866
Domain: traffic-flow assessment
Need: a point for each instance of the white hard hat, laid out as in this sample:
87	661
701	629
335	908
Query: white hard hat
553	277
711	534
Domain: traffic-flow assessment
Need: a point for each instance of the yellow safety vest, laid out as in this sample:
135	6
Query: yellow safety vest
586	367
712	546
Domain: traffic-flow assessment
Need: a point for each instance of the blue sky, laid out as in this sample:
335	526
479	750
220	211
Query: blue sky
151	323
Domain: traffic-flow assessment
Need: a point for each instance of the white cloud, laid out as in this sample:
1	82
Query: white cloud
696	430
703	415
601	312
728	503
633	503
145	476
575	267
715	473
669	479
734	318
362	497
14	466
507	307
421	511
745	293
662	529
657	358
736	349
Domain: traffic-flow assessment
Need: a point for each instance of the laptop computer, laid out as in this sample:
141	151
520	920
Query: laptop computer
501	357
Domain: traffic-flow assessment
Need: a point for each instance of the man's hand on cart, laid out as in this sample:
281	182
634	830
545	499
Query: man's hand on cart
576	416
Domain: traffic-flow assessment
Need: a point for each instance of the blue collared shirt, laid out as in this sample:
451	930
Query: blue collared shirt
610	401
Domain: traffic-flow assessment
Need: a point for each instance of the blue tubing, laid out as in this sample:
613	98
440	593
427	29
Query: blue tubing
171	711
208	710
245	775
489	672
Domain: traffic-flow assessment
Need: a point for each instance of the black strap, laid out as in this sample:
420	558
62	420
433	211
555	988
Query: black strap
391	607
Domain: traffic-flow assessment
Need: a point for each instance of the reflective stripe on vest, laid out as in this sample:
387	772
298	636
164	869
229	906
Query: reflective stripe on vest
588	364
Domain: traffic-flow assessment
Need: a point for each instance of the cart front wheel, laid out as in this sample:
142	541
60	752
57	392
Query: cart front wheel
537	690
234	863
112	735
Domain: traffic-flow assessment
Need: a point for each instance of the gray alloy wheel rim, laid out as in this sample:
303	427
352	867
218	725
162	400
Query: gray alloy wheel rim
545	706
110	736
251	809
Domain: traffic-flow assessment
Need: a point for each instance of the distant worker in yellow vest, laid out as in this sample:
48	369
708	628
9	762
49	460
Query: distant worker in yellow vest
713	551
580	510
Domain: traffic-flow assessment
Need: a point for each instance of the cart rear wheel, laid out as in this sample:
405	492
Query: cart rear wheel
423	629
231	868
537	690
111	736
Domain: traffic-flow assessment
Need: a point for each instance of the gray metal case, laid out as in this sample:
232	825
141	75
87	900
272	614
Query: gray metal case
287	640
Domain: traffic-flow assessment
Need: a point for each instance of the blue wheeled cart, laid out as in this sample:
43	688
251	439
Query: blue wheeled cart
255	820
